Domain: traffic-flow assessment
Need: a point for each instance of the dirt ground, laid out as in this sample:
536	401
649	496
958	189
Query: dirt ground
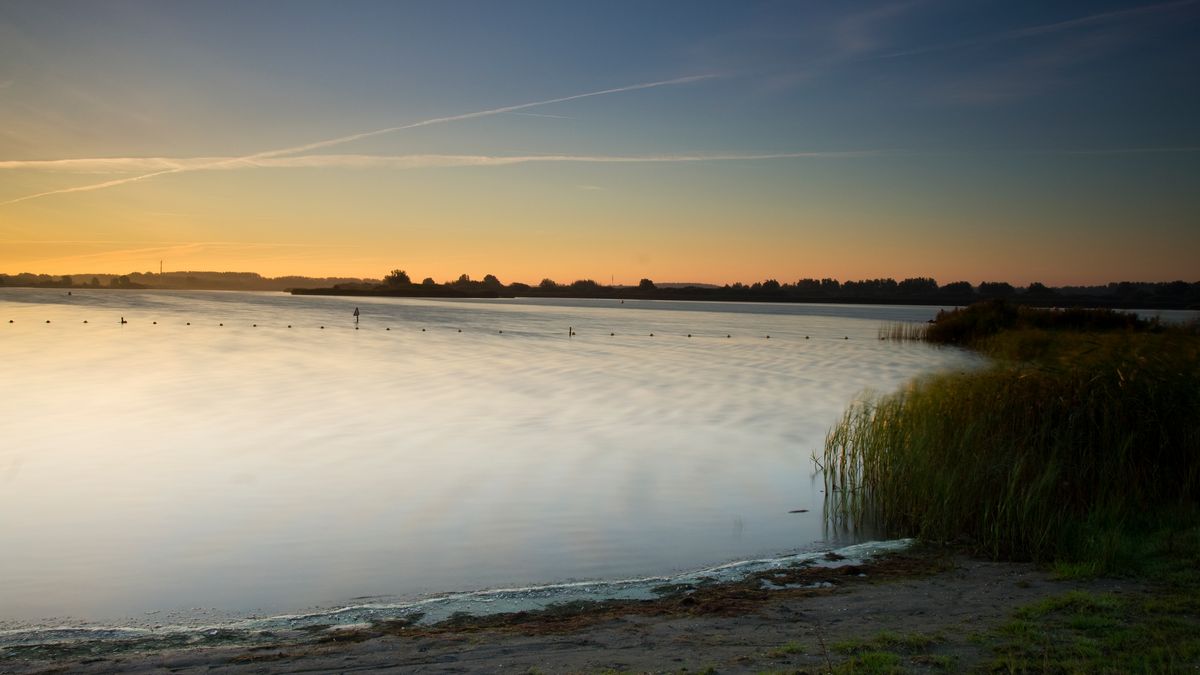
801	620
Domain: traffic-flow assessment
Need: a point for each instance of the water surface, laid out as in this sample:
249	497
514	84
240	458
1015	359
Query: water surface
154	469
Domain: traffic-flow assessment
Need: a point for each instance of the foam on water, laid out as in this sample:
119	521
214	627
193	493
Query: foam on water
433	610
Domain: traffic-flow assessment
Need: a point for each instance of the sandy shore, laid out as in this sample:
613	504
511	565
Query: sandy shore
788	621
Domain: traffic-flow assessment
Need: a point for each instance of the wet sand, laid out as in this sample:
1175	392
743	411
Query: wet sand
789	620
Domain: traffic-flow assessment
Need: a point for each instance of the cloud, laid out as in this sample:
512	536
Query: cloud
426	161
359	136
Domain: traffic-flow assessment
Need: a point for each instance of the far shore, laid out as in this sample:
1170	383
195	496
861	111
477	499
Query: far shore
705	294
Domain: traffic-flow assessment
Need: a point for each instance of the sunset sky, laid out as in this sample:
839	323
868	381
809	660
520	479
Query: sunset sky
682	141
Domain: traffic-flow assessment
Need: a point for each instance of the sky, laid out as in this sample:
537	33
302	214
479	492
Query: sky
679	141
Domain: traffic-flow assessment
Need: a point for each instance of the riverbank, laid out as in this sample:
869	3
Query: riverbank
924	610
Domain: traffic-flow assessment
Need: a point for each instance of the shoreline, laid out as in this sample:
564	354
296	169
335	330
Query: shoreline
797	617
800	617
430	610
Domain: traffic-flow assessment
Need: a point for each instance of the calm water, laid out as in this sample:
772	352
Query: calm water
152	470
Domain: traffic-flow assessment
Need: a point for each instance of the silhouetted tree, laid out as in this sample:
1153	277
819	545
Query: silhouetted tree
548	285
996	289
808	286
1038	289
585	285
646	285
490	281
770	285
397	278
917	286
67	280
959	292
428	281
958	288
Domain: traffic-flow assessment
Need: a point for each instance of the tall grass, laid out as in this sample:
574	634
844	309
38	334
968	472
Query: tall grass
903	330
1071	440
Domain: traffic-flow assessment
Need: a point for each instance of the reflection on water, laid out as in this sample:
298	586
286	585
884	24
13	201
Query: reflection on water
241	469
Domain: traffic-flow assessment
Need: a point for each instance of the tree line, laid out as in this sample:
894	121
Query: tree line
913	290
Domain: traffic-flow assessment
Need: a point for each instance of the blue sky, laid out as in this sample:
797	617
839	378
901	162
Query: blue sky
975	140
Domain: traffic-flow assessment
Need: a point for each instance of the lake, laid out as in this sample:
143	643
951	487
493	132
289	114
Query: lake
224	456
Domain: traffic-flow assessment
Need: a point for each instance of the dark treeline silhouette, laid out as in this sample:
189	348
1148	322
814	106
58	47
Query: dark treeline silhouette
914	291
186	280
911	291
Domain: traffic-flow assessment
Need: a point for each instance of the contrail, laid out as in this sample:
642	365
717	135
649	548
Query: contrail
355	137
129	164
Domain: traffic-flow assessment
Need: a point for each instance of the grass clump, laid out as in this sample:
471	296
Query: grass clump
969	325
1079	444
787	650
1096	633
870	663
887	641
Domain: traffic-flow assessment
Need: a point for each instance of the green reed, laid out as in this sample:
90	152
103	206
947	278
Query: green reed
1068	442
903	330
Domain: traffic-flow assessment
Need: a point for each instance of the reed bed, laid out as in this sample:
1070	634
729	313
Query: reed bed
1071	441
903	330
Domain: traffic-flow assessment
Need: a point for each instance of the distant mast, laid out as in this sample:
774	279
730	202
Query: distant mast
160	268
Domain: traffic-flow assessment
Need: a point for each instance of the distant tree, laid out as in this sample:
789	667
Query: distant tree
646	285
490	281
808	286
463	279
94	283
428	281
770	285
918	285
68	281
397	278
1037	288
548	285
996	289
585	285
122	281
958	289
1173	289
